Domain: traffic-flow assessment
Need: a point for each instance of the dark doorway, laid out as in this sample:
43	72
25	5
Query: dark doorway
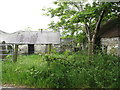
30	48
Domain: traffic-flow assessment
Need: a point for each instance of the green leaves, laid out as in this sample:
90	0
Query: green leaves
66	70
77	16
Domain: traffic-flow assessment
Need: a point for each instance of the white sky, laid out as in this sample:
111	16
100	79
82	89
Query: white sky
19	14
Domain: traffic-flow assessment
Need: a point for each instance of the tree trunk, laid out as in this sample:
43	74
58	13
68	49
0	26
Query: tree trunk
15	53
90	49
97	45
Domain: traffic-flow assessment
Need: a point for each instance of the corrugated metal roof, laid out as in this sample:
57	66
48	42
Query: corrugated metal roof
31	37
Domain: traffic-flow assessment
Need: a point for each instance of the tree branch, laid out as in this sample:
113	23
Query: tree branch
80	8
99	21
87	31
98	24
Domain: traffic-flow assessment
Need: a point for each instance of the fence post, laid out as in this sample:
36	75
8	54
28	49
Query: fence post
15	53
49	48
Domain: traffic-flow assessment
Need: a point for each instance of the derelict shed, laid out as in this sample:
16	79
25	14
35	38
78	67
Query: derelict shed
32	38
111	30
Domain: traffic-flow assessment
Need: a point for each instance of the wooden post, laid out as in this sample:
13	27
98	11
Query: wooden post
49	48
46	48
15	53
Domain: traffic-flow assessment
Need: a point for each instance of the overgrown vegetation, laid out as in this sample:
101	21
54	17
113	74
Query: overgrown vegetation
76	18
82	23
67	70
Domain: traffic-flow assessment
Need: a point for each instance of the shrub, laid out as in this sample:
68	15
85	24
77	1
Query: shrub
67	70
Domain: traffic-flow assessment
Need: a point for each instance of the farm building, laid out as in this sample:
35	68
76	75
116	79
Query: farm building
110	34
31	41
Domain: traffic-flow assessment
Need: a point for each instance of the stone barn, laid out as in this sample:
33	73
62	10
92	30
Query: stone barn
31	41
110	34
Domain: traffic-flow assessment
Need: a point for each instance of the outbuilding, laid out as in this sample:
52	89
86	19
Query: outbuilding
110	34
31	41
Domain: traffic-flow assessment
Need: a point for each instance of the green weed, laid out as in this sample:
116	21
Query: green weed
67	70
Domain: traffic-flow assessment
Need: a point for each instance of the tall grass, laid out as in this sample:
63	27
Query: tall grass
67	70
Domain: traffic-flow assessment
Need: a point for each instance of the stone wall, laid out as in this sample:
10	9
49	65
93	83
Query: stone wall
23	49
67	44
110	45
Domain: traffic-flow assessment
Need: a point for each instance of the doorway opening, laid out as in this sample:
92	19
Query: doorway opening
30	48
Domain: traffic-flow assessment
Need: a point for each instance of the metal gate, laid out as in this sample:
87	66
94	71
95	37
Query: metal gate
6	51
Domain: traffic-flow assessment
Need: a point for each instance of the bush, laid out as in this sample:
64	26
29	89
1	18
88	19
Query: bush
67	70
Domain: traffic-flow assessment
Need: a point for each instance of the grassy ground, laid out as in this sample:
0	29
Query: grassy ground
67	70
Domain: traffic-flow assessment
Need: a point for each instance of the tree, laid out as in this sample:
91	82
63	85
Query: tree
74	15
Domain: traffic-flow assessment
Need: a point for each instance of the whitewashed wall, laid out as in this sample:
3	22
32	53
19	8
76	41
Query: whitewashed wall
23	49
40	48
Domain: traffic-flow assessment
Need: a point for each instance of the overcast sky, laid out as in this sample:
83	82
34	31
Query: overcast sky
19	14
